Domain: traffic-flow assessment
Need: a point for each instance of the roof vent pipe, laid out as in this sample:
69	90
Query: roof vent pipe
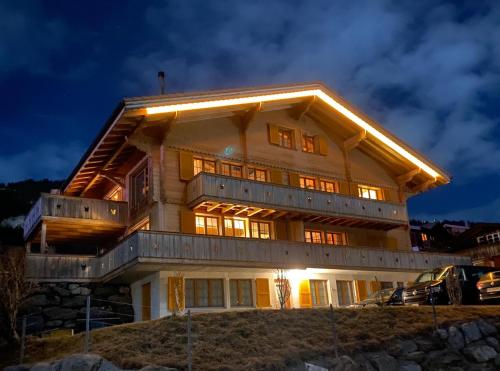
161	79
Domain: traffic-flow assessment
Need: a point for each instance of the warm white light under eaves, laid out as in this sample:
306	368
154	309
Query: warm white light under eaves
291	95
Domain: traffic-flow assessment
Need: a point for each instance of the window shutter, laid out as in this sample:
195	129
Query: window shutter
188	222
305	294
276	176
186	168
323	146
343	187
274	137
172	282
146	301
294	179
281	231
392	243
361	290
374	286
354	189
391	195
262	291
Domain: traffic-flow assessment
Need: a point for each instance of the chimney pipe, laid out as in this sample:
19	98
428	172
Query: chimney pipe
161	79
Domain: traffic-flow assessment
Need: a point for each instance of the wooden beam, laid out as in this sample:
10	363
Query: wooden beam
256	211
247	117
213	207
423	186
267	213
114	179
301	109
407	177
279	214
241	211
43	239
227	208
353	142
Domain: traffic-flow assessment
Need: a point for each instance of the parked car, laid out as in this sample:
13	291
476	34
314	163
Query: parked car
489	287
433	284
392	296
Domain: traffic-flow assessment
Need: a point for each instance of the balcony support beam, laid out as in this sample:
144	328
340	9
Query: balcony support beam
407	177
354	141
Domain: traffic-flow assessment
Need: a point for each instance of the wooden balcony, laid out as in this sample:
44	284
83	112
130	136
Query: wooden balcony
238	196
65	217
144	252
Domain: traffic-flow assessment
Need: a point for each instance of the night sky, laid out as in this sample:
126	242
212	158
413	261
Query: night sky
427	70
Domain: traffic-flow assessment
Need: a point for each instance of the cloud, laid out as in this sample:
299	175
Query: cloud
54	160
420	69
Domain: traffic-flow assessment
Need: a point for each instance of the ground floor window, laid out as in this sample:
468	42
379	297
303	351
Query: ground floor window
241	293
204	293
318	292
345	292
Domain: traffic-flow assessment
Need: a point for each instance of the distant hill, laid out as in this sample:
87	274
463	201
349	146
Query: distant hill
16	200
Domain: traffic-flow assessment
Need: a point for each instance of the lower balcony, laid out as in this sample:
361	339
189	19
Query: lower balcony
144	252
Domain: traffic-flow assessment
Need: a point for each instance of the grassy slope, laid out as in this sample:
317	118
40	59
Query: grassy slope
254	339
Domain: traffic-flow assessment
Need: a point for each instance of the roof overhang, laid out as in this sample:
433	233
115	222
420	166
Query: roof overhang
128	115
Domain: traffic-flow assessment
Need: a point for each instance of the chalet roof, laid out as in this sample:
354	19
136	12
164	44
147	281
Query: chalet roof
468	239
110	149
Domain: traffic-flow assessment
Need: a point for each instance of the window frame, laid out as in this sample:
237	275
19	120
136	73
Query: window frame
311	239
231	168
378	192
239	292
232	220
259	223
196	299
334	184
303	182
282	132
137	203
203	168
343	238
314	286
255	170
205	217
308	143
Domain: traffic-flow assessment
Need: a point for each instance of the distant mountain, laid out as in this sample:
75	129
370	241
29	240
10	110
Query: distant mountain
16	200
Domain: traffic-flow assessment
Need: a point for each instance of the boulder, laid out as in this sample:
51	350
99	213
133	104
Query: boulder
53	313
383	361
42	366
161	368
486	328
441	334
417	356
41	301
480	353
54	323
428	344
409	366
16	368
85	291
61	291
402	347
471	332
120	299
344	363
77	301
104	291
73	286
493	342
455	338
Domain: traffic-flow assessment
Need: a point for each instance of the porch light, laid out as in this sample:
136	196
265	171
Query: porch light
318	93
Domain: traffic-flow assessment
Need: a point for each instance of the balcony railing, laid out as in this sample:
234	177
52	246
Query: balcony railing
173	248
57	206
211	187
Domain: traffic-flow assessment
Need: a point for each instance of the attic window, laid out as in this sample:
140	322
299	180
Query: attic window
308	143
286	137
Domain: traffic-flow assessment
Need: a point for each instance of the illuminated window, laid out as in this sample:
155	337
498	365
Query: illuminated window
373	193
313	236
327	186
424	236
286	137
139	184
207	225
257	174
231	170
335	238
200	164
234	227
260	230
204	293
308	143
309	183
241	293
318	292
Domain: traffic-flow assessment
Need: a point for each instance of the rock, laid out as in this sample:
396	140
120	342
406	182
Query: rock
104	291
16	368
54	323
42	366
124	290
73	286
442	358
363	362
161	368
79	362
41	301
493	342
441	334
344	363
409	366
455	338
74	301
53	313
471	332
486	328
61	291
415	356
402	347
119	299
383	361
85	291
426	345
481	353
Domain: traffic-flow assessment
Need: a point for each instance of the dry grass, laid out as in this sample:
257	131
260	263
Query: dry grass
254	339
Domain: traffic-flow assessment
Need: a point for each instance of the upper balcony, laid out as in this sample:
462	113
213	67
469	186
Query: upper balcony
267	199
63	218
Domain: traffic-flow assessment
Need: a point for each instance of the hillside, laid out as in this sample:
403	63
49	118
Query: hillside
255	339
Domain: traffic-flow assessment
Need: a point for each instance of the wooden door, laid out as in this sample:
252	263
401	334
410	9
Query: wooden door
305	294
146	301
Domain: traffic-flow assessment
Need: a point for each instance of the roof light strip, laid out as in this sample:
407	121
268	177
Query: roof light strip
291	95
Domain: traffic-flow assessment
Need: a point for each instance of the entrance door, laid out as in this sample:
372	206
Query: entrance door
146	301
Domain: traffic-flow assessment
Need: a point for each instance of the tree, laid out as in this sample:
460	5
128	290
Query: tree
178	293
14	287
282	287
453	286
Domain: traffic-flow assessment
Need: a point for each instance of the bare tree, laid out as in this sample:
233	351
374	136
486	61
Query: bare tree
178	293
453	286
282	287
14	287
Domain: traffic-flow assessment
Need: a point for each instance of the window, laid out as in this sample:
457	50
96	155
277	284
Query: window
231	170
386	285
204	293
335	238
207	166
308	143
207	225
285	137
309	183
241	293
424	236
260	230
139	187
345	292
318	292
234	227
257	174
313	236
369	192
327	186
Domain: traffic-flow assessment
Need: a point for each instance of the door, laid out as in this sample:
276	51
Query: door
305	294
146	301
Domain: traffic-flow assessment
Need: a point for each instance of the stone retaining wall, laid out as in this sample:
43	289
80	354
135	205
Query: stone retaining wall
63	305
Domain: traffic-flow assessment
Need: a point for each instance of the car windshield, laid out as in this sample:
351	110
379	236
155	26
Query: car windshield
436	274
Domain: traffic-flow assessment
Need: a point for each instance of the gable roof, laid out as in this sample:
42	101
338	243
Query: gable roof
315	98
